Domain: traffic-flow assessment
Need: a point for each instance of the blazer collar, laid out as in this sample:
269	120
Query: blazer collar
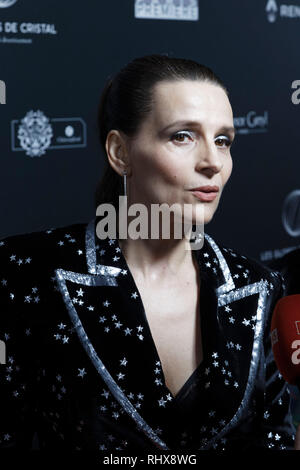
107	267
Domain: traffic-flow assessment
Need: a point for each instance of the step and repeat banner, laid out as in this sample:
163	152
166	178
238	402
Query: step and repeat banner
55	56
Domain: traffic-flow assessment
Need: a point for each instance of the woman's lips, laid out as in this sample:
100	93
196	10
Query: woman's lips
205	196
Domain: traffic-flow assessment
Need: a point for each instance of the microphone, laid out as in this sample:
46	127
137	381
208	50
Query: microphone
285	338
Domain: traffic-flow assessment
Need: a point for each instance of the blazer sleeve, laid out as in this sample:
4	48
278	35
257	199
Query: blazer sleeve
19	301
278	431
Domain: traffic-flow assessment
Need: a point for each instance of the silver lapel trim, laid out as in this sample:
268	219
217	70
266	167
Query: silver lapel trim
90	247
224	297
260	288
105	275
89	280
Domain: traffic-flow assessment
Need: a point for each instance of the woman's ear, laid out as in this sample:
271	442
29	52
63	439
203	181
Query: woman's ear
116	151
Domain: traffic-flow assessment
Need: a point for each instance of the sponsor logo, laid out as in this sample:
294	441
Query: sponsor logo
274	11
271	10
23	33
7	3
2	92
167	9
251	123
269	255
36	133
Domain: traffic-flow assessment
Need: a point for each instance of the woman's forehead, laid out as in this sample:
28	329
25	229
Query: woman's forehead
190	101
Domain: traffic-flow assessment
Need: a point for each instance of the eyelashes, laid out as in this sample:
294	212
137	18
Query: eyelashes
223	138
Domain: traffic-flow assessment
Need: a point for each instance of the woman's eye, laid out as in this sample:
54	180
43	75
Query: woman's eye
224	140
180	136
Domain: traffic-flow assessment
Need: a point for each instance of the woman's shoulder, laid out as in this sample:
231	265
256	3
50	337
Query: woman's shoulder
242	265
235	256
31	249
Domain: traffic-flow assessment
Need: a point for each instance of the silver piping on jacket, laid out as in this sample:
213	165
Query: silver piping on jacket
88	280
256	288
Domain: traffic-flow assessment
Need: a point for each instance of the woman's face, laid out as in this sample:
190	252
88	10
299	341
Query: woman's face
184	143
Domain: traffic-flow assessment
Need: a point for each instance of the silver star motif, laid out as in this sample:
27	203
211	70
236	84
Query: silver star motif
162	402
105	393
81	373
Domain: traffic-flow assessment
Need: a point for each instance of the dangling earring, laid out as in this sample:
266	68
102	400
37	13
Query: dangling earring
125	182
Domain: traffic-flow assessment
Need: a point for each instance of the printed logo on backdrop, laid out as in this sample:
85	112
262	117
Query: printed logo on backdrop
291	223
2	92
167	9
7	3
35	133
251	123
283	11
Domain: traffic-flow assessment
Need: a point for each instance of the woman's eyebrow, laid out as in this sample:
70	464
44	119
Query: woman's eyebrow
196	124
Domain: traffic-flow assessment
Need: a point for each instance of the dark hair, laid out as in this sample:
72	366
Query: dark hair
127	99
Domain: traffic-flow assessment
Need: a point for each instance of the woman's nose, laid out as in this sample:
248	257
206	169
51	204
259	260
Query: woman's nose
209	158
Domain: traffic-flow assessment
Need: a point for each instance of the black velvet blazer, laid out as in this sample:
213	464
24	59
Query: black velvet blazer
82	371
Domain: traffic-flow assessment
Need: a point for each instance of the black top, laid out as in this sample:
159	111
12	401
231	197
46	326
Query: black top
187	408
82	369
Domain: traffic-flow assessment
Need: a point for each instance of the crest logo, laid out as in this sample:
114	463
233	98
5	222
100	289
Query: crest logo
7	3
271	10
35	133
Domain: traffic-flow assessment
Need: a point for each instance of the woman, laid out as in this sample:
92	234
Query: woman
142	344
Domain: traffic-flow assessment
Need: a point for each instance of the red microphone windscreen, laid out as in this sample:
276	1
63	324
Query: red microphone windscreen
285	337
